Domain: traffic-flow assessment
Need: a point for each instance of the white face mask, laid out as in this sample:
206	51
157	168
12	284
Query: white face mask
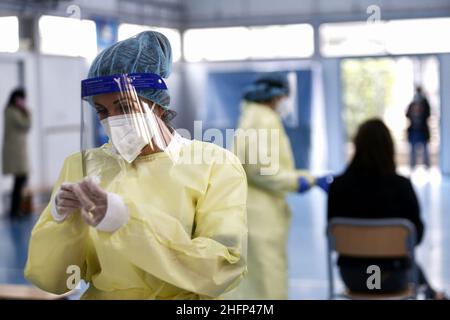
284	108
129	133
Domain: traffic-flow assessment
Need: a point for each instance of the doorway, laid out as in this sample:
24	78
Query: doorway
384	87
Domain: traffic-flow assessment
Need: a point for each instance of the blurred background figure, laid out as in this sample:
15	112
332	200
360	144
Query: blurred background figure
371	189
261	137
418	114
17	123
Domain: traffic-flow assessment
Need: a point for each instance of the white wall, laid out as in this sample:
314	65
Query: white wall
60	101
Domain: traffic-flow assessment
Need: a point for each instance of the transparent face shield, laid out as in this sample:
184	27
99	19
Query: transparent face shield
117	125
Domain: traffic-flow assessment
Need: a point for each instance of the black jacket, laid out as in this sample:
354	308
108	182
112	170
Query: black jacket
418	121
362	195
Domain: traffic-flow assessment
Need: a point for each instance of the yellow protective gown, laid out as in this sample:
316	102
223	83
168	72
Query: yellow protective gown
268	212
186	237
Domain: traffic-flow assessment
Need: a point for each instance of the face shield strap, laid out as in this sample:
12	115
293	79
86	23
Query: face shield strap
119	83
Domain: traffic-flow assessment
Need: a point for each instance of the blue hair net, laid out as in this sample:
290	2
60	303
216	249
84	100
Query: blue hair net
267	86
146	52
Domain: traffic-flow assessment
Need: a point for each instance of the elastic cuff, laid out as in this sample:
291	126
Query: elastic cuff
116	214
54	211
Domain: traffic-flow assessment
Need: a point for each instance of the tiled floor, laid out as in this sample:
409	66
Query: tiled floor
307	264
13	249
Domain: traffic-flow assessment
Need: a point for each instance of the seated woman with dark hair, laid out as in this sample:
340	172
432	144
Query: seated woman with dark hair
371	189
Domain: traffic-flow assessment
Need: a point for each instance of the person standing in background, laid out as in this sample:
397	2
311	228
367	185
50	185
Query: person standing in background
15	157
268	212
418	130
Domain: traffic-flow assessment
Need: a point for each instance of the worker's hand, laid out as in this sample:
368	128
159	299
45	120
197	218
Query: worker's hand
303	185
66	201
93	201
324	182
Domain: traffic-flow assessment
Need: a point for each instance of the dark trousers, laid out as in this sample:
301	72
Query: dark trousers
355	279
413	155
16	200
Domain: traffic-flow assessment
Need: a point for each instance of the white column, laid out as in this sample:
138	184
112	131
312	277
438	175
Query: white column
333	114
444	70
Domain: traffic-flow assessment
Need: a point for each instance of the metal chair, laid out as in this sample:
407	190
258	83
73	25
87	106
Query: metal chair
379	238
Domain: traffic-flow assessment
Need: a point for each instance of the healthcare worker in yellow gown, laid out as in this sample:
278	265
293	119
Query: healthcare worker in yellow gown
147	215
263	147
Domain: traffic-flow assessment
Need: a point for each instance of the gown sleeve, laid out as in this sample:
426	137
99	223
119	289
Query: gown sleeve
260	151
54	248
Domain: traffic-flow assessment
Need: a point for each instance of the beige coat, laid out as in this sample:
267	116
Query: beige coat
14	153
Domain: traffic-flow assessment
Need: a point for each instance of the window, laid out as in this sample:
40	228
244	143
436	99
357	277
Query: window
241	43
290	41
9	40
215	44
393	37
418	36
352	39
68	36
128	30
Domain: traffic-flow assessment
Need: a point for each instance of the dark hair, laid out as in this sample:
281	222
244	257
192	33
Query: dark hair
17	93
168	116
267	87
419	88
374	149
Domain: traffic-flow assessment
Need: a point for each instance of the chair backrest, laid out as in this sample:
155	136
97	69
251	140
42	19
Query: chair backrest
372	237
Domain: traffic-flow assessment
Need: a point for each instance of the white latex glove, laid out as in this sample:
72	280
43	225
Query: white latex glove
93	201
106	211
66	201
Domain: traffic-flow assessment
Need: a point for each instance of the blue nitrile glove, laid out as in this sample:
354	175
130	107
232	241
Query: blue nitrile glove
303	185
324	182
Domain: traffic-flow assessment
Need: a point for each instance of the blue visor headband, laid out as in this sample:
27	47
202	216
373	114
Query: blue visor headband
121	82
